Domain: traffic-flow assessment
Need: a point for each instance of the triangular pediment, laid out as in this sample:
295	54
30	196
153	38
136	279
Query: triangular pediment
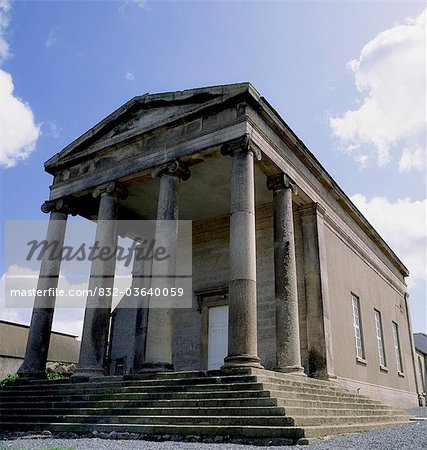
142	114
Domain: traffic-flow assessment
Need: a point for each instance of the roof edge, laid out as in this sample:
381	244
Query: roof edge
23	325
350	207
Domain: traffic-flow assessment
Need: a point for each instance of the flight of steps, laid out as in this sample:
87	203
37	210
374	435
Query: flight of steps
246	404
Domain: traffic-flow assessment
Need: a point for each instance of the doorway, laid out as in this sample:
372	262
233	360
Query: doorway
217	336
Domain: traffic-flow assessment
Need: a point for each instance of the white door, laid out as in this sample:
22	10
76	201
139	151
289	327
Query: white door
218	336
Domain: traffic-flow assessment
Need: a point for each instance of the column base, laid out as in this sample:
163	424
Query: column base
86	374
155	367
294	370
232	362
322	375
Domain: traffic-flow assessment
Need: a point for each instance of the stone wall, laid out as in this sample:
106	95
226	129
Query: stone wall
210	270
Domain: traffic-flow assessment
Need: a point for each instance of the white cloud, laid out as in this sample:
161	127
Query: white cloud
362	160
139	3
52	39
4	23
129	76
127	3
67	319
402	224
69	311
53	129
18	130
390	73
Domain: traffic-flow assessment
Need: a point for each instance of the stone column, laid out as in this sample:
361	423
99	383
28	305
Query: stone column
288	353
319	334
158	351
242	325
34	365
141	322
96	323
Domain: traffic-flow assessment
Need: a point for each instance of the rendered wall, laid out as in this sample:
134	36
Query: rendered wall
349	273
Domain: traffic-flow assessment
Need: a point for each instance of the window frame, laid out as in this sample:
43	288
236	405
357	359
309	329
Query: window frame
379	333
357	328
397	348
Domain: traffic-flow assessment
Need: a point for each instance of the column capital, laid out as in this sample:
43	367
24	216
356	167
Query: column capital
175	168
59	205
280	182
113	188
241	145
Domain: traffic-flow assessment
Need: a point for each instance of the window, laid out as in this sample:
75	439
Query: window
421	369
397	348
380	339
357	327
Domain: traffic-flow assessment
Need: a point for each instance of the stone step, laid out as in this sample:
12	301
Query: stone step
250	432
344	420
192	397
252	400
119	379
112	384
305	392
215	420
147	396
295	413
299	381
181	411
285	391
344	398
321	410
165	403
170	388
249	403
130	386
305	404
157	420
283	398
290	378
173	388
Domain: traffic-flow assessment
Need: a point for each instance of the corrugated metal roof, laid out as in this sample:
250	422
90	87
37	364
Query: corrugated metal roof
420	340
13	340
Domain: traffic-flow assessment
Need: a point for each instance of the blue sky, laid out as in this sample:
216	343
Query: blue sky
72	63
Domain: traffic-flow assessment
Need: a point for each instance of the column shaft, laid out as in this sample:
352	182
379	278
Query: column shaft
288	353
159	337
242	328
34	365
98	306
141	320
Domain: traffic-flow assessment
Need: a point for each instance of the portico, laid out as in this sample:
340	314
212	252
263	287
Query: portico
202	155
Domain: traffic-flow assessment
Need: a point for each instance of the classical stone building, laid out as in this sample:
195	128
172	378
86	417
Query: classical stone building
288	275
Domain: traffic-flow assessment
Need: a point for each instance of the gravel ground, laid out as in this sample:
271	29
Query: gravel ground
411	436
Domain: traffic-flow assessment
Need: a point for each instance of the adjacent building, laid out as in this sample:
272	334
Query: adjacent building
63	349
420	340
